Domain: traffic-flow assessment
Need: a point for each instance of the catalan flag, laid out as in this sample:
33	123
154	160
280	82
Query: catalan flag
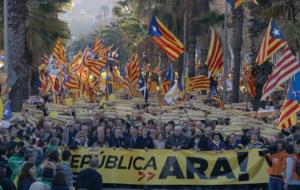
220	102
44	84
133	70
157	69
95	66
288	116
98	44
272	42
164	39
45	59
198	83
164	86
214	59
59	53
54	83
77	60
251	88
125	82
72	82
237	3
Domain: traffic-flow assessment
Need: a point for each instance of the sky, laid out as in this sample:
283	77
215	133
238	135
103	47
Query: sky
83	16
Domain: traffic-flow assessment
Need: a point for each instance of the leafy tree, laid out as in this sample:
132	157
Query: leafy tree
33	28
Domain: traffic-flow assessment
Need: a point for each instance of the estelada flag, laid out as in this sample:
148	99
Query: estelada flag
237	3
272	42
165	39
288	116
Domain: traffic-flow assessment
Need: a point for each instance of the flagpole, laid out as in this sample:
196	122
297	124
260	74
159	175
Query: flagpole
6	57
160	63
225	54
185	69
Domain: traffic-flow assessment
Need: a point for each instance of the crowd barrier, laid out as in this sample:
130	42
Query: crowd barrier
168	167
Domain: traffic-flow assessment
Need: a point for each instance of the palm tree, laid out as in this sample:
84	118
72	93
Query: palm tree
17	51
29	35
237	42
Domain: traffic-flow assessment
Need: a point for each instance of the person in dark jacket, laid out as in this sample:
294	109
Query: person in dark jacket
116	141
131	141
59	182
199	142
90	178
177	141
145	141
217	143
232	144
26	177
5	183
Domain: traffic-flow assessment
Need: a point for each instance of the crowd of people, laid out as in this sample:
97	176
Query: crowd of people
38	158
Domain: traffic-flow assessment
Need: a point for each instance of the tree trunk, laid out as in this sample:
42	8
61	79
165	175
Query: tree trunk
203	35
237	42
17	55
191	57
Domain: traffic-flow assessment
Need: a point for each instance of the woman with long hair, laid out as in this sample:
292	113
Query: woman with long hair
26	177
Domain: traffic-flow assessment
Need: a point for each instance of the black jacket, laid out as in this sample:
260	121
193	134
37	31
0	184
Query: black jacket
130	142
6	183
202	144
89	179
175	141
144	142
116	142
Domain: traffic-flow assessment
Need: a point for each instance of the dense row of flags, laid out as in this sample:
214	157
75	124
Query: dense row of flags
92	71
287	68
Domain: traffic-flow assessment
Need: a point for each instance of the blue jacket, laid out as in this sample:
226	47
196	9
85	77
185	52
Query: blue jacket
25	184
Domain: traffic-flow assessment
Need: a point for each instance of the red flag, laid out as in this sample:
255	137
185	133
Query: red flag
215	55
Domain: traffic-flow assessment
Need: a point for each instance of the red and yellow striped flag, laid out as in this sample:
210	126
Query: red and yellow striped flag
288	116
237	3
220	102
124	82
98	45
165	39
164	86
272	42
198	83
251	88
214	59
133	70
76	62
59	53
72	82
